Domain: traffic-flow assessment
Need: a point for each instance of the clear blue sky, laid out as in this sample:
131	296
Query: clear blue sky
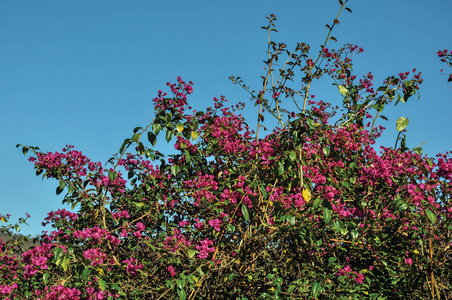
84	72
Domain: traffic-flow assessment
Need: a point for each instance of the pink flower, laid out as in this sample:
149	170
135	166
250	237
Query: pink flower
359	278
408	261
184	223
140	226
172	271
215	224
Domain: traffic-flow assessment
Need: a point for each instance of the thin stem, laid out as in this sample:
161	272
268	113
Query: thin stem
320	54
397	139
261	99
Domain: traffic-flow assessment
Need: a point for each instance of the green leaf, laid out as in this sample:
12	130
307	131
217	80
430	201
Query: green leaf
45	277
169	135
343	90
57	253
116	287
402	123
292	155
331	260
418	150
291	220
326	150
152	138
317	289
59	190
326	215
378	106
181	283
136	137
264	191
354	234
156	127
291	288
124	145
112	175
280	168
182	294
191	253
102	284
85	273
230	228
311	123
245	212
175	169
65	263
431	215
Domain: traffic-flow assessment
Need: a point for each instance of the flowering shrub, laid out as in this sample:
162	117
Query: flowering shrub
311	210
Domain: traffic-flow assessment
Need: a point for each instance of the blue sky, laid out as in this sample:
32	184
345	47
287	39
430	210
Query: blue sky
84	72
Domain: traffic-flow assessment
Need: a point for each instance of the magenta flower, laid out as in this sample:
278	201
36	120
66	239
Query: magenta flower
172	271
215	224
359	278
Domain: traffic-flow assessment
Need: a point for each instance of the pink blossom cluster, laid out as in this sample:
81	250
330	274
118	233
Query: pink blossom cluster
184	144
36	259
179	100
204	248
96	235
347	272
96	256
169	214
59	292
176	241
132	266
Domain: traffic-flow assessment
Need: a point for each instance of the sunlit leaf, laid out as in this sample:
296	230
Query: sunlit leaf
306	195
102	284
180	127
343	90
402	123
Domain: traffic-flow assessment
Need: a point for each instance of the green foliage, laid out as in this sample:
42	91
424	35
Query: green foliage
310	211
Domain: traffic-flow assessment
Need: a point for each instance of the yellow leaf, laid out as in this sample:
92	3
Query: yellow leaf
194	135
343	90
180	127
416	251
306	195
